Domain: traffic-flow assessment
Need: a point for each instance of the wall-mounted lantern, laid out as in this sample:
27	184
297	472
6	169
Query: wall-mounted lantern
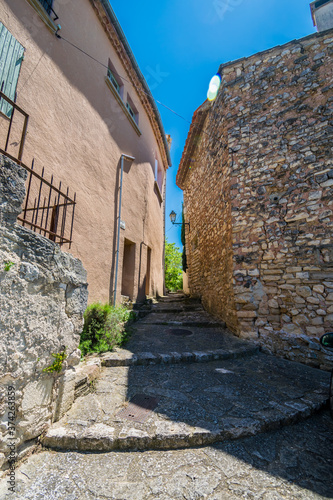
173	216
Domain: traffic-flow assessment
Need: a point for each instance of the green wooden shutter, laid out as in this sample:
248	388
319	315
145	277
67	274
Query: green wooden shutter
11	56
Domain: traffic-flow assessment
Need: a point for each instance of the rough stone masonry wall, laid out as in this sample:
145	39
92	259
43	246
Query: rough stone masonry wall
278	108
207	207
42	299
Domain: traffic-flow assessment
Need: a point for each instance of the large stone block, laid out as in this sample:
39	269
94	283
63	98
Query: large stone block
42	299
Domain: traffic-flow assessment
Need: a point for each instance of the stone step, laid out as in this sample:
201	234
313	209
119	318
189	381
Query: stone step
178	298
189	324
170	342
174	310
122	357
199	319
197	404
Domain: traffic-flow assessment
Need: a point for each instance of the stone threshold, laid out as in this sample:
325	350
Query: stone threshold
125	358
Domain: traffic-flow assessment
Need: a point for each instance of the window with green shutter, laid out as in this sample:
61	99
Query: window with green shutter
11	56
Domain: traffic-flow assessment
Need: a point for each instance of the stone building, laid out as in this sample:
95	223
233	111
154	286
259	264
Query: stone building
94	126
257	176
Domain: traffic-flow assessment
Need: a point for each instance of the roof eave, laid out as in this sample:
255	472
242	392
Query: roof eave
194	134
113	18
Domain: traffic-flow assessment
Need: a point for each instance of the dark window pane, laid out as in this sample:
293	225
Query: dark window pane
47	4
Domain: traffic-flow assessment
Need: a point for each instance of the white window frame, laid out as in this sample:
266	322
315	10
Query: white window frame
43	15
115	79
128	108
157	185
134	114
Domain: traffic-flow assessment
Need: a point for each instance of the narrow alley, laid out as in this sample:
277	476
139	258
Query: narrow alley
187	410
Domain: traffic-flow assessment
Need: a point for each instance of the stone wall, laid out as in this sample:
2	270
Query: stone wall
43	294
258	194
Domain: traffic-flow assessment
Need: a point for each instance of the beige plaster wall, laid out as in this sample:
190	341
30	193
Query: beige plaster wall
78	131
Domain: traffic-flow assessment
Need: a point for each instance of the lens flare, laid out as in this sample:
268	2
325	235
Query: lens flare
214	86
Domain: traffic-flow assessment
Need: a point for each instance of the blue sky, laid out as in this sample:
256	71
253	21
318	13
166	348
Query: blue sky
179	45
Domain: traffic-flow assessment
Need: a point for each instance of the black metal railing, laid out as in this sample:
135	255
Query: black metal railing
15	107
47	209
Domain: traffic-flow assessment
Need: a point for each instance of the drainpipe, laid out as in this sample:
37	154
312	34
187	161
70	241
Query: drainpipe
129	158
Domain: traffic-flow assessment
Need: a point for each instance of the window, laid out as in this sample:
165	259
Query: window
132	110
47	4
11	56
44	9
158	175
115	79
116	85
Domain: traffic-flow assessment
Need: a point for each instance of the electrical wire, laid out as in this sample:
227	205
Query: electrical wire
137	88
122	77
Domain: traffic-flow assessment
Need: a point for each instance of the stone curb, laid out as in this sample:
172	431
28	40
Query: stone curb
101	438
148	358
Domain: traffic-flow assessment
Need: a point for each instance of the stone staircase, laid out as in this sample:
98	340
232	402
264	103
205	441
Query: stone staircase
184	380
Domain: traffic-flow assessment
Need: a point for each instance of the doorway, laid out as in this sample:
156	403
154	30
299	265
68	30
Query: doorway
147	291
127	283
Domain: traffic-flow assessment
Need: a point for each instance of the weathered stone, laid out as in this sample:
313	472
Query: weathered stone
37	394
37	320
303	291
268	197
246	314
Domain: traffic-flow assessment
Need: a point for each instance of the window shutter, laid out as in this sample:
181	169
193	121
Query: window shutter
11	56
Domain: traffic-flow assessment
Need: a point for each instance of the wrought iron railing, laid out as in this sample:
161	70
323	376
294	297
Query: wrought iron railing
10	124
47	209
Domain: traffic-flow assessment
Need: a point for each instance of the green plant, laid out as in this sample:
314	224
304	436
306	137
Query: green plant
8	265
104	327
173	267
57	363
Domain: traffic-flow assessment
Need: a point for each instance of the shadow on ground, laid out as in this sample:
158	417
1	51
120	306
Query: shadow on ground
209	387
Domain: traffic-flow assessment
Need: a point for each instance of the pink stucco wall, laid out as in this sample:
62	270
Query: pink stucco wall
78	131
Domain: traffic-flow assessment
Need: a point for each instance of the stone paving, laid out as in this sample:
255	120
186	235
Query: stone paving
227	391
222	395
295	462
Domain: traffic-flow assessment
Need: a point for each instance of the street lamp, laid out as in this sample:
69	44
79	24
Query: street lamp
173	216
